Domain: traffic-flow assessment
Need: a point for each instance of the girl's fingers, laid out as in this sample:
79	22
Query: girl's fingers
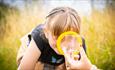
67	56
70	62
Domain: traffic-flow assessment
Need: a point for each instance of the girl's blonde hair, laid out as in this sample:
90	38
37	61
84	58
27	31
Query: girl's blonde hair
63	19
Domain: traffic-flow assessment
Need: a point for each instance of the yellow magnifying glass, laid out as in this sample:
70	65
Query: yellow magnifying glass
71	33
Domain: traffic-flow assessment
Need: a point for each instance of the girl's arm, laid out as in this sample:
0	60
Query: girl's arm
30	57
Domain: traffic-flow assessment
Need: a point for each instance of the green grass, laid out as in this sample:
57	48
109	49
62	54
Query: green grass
98	31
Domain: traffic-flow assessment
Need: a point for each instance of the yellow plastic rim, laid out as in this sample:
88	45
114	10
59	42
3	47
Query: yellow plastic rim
78	39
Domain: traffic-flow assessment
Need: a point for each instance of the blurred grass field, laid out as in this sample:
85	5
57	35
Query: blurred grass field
98	30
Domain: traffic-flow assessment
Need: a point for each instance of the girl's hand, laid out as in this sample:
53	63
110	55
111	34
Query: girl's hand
82	64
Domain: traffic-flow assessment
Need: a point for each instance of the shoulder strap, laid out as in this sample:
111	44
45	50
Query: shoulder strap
37	36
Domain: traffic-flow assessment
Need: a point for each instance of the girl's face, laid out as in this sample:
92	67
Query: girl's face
68	42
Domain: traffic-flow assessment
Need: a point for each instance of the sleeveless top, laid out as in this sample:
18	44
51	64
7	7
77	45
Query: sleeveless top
48	55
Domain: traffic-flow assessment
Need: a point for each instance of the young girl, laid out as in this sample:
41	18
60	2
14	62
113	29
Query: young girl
41	53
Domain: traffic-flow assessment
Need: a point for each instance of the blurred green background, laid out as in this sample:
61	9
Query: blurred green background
18	17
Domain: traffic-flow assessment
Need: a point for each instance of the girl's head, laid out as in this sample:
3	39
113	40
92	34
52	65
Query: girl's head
63	19
59	20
